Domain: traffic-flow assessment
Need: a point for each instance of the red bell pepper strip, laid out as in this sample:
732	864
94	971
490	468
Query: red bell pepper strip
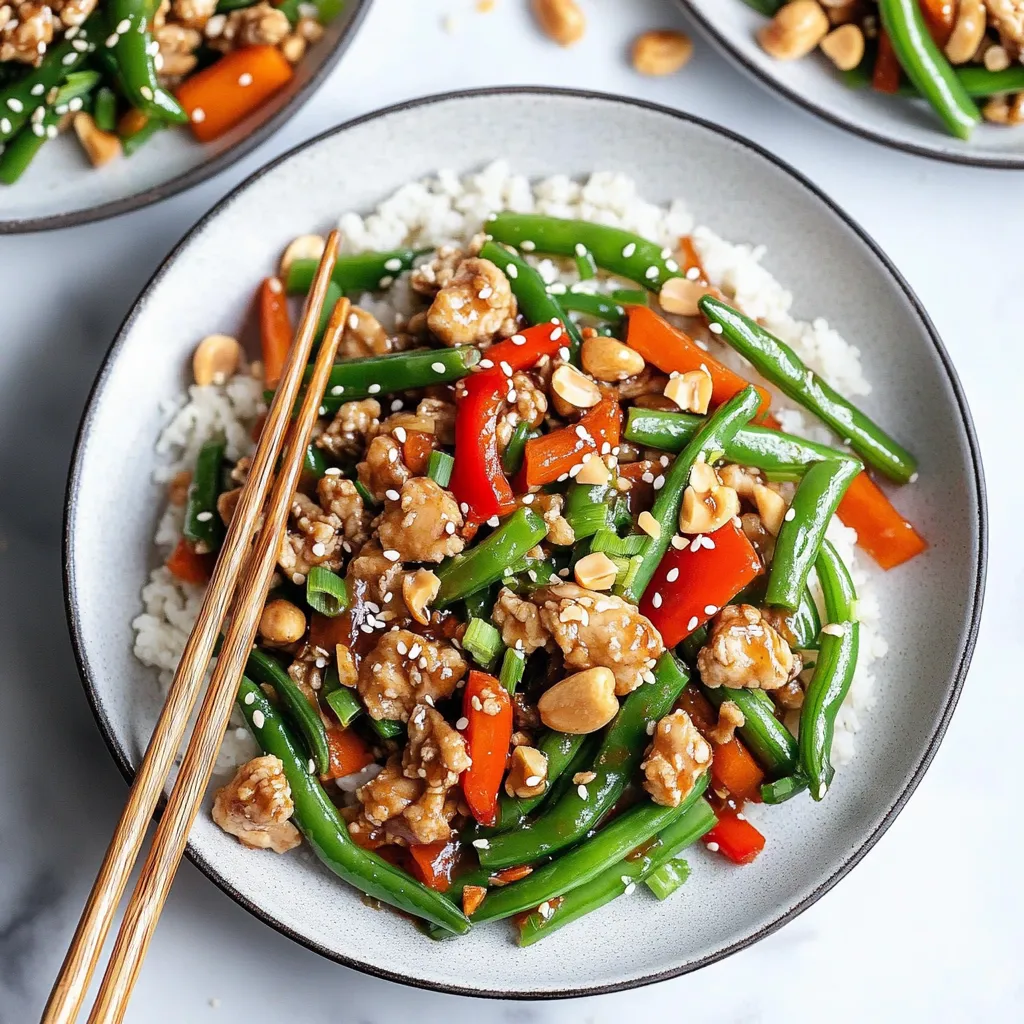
735	838
275	329
550	456
524	350
881	531
886	74
688	583
434	863
672	351
478	481
487	737
186	564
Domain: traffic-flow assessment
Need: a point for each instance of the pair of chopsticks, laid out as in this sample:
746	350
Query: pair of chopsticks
240	582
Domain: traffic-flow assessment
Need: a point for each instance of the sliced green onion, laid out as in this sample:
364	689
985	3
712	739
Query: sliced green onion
326	592
669	877
585	512
363	491
345	704
625	568
513	457
512	667
482	642
625	547
314	462
387	728
440	467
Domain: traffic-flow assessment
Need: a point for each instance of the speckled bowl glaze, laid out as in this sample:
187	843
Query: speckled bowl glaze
813	84
836	271
61	188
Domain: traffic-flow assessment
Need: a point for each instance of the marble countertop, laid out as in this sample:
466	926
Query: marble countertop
928	927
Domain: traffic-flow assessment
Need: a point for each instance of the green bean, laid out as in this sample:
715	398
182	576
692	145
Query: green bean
203	525
803	530
668	878
104	110
833	674
304	717
783	789
361	272
927	67
586	861
600	307
978	82
532	295
781	456
512	458
319	821
619	252
588	508
711	439
778	363
641	865
575	814
485	563
804	624
134	141
768	739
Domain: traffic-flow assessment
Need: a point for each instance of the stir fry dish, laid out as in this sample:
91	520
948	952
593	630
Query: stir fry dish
954	54
119	71
556	599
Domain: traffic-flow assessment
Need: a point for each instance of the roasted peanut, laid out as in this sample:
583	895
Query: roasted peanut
560	20
661	52
215	359
594	471
679	296
528	773
691	391
580	703
844	46
967	33
574	388
610	360
739	479
419	588
305	247
771	507
795	30
595	571
705	512
101	147
282	623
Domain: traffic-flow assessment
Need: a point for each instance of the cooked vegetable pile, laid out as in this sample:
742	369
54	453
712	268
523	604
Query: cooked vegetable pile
948	52
118	71
555	592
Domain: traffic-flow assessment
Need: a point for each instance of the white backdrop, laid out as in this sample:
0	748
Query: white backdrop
928	927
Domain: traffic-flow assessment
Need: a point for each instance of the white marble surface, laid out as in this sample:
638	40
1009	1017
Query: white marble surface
928	927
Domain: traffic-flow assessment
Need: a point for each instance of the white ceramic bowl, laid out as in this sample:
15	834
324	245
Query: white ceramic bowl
62	189
813	84
835	270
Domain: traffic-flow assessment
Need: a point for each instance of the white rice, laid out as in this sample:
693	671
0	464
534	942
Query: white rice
449	209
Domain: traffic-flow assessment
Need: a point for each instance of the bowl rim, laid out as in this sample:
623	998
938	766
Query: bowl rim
730	50
208	168
956	683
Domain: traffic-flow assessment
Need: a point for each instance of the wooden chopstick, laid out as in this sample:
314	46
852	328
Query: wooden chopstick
83	953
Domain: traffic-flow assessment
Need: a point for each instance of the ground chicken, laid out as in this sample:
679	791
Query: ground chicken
364	336
72	12
435	752
193	13
743	650
314	537
675	760
259	25
409	810
549	508
1007	18
442	415
529	405
375	580
730	718
405	669
25	32
474	307
383	469
353	425
340	497
307	670
227	502
178	44
437	273
600	630
255	806
422	524
519	622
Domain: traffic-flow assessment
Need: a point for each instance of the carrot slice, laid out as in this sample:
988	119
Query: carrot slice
672	351
881	531
434	863
349	754
691	258
189	566
416	451
220	96
275	329
886	75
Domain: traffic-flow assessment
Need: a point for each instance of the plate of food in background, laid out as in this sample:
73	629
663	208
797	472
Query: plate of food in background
566	645
939	78
108	106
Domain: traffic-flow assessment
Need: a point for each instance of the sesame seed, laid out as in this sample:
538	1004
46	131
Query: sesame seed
319	550
402	648
545	910
393	264
651	727
250	698
449	528
396	405
392	494
670	264
715	328
822	790
557	288
512	271
338	389
533	780
480	844
656	600
528	499
692	624
69	58
659	482
563	353
527	246
5	125
464	508
392	555
710	609
204	517
401	435
672	575
198	115
630	889
415	651
332	471
146	93
493	521
462	723
298	579
693	273
511	396
582	791
112	40
580	249
713	847
437	367
629	249
790	515
124	25
16	105
258	718
518	339
556	334
386	281
651	273
373	389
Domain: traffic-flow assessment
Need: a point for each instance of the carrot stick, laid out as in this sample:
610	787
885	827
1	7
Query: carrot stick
939	16
349	754
734	769
672	351
189	566
275	329
691	258
220	96
886	75
434	863
881	531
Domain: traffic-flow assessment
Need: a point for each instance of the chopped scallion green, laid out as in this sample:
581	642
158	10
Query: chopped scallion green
482	642
326	592
440	467
512	667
